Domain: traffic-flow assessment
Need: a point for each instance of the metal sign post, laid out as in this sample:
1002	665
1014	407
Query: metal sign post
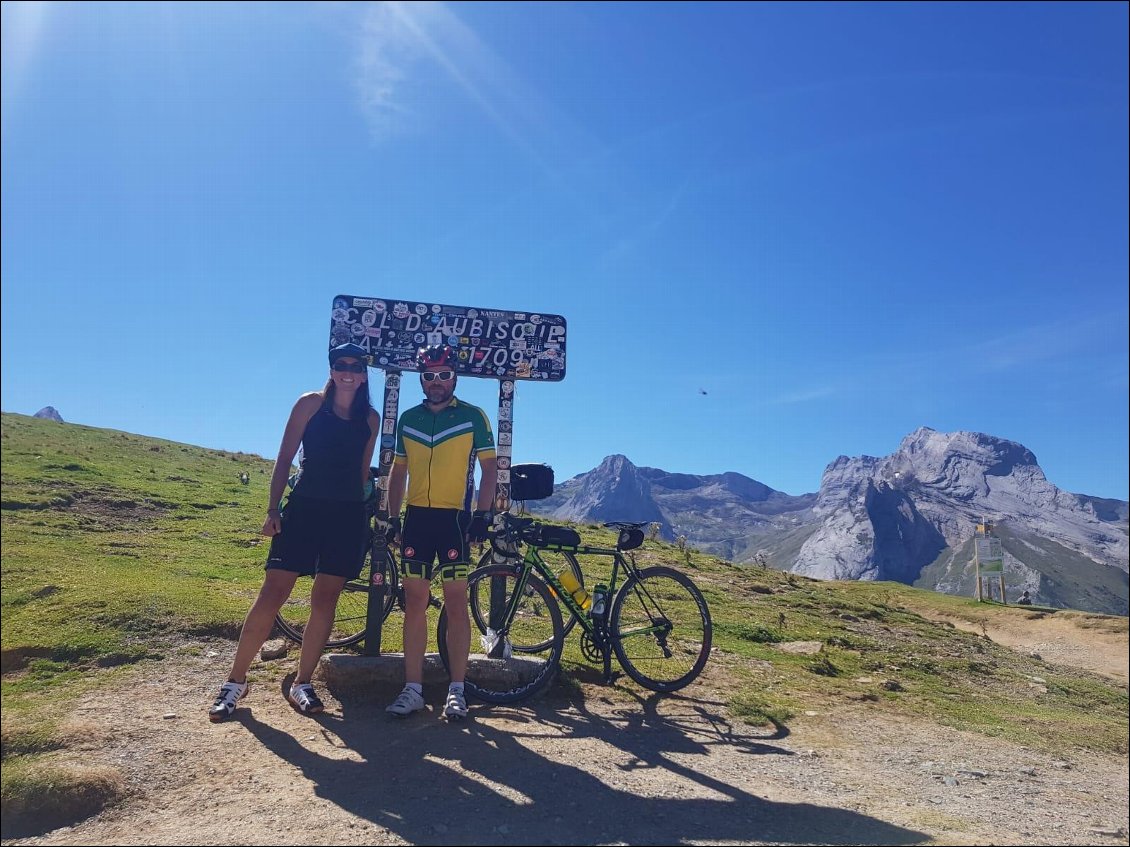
386	444
489	343
504	452
504	449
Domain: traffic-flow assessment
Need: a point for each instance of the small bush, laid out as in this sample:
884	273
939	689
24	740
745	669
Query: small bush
823	666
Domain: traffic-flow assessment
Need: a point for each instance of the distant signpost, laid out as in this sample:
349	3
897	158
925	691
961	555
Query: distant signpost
988	556
489	343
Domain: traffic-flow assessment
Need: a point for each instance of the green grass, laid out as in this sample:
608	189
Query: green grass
119	548
35	790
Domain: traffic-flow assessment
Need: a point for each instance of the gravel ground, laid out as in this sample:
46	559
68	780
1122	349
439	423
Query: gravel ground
596	765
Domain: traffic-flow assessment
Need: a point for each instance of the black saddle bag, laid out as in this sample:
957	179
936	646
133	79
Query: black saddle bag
531	482
630	539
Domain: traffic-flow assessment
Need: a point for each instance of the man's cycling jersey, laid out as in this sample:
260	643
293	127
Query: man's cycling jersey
440	452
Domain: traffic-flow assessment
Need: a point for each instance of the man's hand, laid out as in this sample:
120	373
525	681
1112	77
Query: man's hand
390	528
481	520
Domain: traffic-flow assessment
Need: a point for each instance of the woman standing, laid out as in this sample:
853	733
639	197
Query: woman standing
322	531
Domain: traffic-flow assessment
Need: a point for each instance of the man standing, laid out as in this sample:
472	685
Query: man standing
437	443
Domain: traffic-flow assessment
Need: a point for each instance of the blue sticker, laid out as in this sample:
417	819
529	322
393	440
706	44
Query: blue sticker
453	340
388	440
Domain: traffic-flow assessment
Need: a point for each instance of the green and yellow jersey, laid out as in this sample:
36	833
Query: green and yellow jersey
440	451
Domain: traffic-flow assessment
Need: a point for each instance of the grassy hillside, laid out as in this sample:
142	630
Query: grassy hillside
112	540
119	548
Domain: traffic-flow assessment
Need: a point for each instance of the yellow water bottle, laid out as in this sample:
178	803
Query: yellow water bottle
570	584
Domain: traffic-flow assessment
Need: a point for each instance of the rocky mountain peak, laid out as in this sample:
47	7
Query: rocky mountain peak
962	458
49	413
891	517
614	490
728	514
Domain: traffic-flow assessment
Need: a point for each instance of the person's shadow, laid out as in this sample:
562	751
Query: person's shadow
479	782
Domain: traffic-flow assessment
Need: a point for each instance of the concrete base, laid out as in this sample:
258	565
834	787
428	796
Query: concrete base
350	672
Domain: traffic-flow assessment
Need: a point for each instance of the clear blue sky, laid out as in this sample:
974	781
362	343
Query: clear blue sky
840	221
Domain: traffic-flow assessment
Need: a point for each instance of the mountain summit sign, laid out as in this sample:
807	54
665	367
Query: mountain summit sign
491	343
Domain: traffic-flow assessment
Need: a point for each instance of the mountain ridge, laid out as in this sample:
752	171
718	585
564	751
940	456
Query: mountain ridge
908	517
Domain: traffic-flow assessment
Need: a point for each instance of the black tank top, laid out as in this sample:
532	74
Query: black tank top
331	457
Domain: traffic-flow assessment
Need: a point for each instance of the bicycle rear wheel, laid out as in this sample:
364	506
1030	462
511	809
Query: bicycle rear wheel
352	608
660	629
557	561
534	620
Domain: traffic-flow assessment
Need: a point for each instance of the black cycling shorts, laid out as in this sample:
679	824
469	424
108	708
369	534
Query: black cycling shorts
431	534
321	536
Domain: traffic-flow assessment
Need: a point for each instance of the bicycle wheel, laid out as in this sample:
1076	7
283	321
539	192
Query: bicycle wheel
660	629
504	680
352	608
557	561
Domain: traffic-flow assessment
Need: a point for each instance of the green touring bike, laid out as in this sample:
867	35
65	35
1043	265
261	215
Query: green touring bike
655	620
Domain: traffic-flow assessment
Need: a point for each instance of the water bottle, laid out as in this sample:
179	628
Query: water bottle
599	600
570	584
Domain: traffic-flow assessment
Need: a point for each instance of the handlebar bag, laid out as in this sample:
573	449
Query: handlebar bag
531	482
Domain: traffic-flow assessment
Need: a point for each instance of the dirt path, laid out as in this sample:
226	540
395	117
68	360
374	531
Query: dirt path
1067	638
606	765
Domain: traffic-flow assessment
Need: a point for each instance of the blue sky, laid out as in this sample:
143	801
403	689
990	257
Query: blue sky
840	221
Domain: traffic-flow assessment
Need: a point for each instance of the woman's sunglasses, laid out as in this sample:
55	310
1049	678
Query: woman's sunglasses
442	376
351	367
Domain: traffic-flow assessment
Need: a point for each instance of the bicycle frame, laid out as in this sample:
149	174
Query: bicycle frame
593	626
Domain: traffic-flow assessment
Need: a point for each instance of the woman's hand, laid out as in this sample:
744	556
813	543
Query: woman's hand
272	526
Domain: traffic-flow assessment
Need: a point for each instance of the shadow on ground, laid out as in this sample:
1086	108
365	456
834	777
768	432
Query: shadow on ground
478	781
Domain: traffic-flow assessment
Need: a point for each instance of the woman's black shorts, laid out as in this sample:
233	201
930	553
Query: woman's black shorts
321	536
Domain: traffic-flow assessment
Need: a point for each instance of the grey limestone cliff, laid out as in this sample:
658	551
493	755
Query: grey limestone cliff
909	516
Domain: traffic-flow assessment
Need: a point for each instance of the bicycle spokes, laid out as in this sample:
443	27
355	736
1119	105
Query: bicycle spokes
660	629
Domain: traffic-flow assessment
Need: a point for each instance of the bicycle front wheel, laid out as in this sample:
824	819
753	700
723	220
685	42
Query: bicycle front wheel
660	629
535	619
531	600
350	615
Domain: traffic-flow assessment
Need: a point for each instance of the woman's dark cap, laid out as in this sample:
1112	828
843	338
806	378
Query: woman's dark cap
348	351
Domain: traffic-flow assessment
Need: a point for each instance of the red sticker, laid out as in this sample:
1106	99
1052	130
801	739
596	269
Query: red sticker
409	552
453	554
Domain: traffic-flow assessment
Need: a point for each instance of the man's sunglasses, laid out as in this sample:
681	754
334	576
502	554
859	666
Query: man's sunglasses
442	376
350	367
